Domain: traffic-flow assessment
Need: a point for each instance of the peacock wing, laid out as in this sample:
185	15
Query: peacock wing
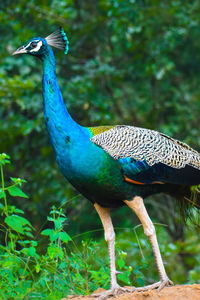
146	155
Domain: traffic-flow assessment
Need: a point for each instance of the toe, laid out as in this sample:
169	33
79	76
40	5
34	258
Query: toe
166	282
114	291
158	285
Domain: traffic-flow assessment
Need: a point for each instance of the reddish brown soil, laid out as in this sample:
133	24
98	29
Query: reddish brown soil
177	292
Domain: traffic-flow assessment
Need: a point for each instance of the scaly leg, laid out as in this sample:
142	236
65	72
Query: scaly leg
137	205
104	214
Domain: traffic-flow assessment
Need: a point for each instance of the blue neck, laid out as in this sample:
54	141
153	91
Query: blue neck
81	161
54	106
59	123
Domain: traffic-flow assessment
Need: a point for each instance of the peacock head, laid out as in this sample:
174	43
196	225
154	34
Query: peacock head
39	46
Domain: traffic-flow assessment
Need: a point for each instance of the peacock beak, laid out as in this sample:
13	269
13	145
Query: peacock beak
20	50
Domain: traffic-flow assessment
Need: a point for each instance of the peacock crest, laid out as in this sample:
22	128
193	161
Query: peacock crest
58	39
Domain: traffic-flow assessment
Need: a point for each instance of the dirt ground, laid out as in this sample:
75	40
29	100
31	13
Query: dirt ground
177	292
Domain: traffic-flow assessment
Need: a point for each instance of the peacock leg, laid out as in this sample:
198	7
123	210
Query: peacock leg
137	205
109	233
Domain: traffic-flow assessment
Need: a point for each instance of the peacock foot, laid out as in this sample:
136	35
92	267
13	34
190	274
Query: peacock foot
158	285
113	292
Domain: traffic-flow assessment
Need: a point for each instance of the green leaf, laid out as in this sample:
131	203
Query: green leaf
16	191
58	224
2	194
12	209
54	236
29	234
64	237
121	263
17	223
55	251
50	219
34	243
47	232
37	268
18	211
18	180
4	159
31	251
51	233
124	277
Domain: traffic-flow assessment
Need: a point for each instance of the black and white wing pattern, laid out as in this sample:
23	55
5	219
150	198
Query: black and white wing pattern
139	149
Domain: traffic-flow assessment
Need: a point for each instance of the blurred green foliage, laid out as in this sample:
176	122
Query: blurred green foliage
130	62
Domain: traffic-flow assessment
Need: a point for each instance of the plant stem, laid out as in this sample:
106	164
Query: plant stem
3	188
68	269
86	270
6	206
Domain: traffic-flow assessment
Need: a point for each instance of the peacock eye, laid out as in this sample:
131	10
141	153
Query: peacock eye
33	44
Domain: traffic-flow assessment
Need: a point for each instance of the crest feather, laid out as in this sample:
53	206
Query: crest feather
58	39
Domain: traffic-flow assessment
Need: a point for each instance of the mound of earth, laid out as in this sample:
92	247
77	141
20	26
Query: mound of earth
177	292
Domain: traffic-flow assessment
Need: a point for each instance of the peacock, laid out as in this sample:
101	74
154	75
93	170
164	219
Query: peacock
115	165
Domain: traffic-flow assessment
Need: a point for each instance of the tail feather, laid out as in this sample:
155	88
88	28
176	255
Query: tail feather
188	198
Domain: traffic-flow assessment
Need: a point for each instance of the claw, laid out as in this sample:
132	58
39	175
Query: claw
158	285
166	282
115	291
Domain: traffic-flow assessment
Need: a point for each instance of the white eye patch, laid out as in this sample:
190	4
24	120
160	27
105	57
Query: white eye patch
39	45
37	48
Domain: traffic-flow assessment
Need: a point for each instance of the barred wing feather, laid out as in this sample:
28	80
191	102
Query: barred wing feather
146	145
